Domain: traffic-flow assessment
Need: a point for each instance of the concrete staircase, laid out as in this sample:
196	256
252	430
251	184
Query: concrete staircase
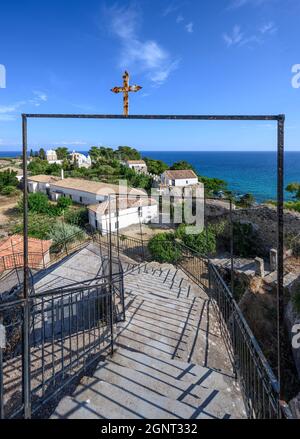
170	361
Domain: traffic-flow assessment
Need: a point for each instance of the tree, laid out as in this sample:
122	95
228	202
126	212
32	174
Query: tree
62	152
37	166
182	164
42	154
155	166
213	185
294	188
127	153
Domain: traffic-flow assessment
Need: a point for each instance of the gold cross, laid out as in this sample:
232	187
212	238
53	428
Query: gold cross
125	90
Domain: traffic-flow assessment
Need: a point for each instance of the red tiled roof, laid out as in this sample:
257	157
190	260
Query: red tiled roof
11	251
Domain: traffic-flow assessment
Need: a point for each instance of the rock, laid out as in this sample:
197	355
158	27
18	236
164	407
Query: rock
294	406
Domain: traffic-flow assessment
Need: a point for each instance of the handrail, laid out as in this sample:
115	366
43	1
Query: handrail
250	334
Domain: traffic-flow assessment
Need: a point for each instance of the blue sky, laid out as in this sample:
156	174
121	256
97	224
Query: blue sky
191	57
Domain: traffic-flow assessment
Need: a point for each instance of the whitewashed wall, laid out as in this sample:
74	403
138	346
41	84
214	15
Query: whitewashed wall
127	217
77	195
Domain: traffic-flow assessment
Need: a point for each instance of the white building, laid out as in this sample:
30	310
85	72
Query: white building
41	183
52	157
136	165
130	211
180	178
81	160
87	192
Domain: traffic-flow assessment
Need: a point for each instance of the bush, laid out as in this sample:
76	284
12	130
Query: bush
39	226
8	178
38	203
9	191
65	233
245	240
204	242
64	203
163	248
78	217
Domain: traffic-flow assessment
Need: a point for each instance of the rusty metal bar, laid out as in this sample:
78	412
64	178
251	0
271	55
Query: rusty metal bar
156	117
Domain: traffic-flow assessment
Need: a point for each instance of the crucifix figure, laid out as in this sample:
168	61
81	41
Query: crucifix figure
125	90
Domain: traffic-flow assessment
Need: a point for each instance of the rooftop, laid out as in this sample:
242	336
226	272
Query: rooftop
124	204
94	187
136	162
14	245
43	178
180	174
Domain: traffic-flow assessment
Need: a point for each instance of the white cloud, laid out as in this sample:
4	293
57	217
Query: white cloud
268	28
8	112
239	38
74	142
234	38
236	4
146	56
190	27
170	9
179	19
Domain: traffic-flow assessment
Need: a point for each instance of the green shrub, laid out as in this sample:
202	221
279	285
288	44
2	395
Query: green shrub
246	242
203	242
163	248
64	203
8	178
38	203
9	191
65	233
78	217
39	226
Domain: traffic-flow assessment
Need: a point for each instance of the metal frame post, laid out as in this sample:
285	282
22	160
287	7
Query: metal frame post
231	248
26	309
280	229
280	245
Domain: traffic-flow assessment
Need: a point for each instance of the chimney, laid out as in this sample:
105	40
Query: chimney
62	174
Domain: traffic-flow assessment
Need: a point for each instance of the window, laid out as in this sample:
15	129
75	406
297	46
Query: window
80	199
96	224
140	212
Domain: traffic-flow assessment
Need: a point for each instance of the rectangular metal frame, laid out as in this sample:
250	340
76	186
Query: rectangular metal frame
280	119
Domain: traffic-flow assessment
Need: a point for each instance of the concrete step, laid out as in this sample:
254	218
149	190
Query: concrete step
153	286
166	302
114	392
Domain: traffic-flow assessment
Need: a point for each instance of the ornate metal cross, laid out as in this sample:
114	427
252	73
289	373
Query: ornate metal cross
125	90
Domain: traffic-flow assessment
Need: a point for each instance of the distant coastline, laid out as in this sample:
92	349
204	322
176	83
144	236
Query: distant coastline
253	172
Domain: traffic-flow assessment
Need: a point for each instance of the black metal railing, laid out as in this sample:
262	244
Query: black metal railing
70	328
259	385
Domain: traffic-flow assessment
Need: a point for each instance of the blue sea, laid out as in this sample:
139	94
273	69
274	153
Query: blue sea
253	172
